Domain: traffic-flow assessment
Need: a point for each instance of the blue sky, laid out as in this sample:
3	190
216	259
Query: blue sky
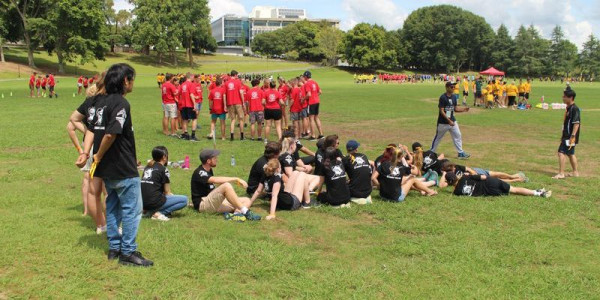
578	18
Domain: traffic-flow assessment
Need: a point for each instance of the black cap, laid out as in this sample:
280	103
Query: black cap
207	154
450	83
307	74
416	145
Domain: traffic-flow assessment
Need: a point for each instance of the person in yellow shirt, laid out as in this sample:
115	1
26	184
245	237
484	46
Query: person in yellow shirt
527	91
488	95
456	91
159	80
511	93
465	90
521	88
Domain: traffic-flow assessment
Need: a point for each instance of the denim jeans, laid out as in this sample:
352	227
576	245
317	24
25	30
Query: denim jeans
124	206
173	203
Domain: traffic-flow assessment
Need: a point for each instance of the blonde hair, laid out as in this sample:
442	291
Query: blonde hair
418	158
97	88
286	144
271	167
396	159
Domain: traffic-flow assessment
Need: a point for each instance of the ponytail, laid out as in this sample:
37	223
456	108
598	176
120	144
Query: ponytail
418	158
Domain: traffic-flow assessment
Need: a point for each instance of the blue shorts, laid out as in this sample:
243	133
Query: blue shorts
222	116
482	171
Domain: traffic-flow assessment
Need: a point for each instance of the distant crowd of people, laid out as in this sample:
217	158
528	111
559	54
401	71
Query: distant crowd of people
42	85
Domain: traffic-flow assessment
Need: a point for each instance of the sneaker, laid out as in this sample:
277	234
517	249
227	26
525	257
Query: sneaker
174	135
193	138
209	137
113	254
160	217
228	216
101	230
135	259
238	217
546	194
320	137
184	136
464	155
250	216
312	138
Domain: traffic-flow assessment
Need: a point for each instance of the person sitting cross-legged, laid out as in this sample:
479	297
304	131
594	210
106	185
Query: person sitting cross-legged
222	199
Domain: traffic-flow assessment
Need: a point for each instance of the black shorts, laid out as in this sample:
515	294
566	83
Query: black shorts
51	88
521	95
526	96
478	94
287	201
511	100
465	93
188	113
496	187
273	114
313	109
308	160
564	149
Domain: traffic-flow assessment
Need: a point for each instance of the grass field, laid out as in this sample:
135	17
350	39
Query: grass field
437	247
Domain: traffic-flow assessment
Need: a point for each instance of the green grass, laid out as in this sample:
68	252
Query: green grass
438	247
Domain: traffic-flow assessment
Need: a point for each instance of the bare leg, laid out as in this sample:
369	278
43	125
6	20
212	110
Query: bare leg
299	186
259	130
311	121
268	128
241	123
313	181
165	125
421	186
173	125
278	128
507	177
212	127
561	166
573	161
233	201
318	122
84	193
232	123
222	129
521	191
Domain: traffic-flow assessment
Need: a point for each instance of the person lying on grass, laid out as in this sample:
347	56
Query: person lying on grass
394	179
157	198
466	184
222	199
447	167
290	195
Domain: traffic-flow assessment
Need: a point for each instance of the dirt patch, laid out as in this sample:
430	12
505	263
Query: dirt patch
15	68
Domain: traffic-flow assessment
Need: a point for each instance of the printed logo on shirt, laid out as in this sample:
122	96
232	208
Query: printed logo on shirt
99	113
147	174
427	161
203	173
319	158
254	95
230	86
91	114
167	173
467	190
121	116
288	159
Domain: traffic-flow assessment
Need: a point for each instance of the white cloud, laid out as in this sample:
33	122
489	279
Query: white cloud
122	4
543	14
218	8
381	12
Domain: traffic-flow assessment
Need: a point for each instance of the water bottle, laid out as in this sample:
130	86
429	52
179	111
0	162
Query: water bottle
542	98
232	161
186	162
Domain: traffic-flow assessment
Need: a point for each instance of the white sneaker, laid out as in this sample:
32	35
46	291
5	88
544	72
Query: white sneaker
101	230
160	217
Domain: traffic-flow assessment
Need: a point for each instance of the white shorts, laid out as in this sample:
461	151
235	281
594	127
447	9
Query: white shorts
80	84
170	110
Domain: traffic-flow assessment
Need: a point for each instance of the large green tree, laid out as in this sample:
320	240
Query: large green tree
299	38
530	57
563	53
329	39
193	19
589	58
28	11
155	24
502	49
74	29
3	29
447	38
364	47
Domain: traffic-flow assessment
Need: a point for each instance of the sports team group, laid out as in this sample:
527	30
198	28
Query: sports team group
288	174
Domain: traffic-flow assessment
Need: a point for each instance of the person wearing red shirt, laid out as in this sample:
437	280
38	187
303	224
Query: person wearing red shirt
254	105
312	92
197	96
38	84
79	84
304	114
187	107
217	101
85	83
235	94
51	85
169	91
44	84
272	103
32	84
284	91
296	111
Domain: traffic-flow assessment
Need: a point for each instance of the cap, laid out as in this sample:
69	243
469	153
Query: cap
207	154
307	74
416	145
352	145
450	83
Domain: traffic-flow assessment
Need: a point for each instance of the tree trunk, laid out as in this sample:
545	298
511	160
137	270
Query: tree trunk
29	50
174	57
190	56
160	57
61	63
2	50
146	50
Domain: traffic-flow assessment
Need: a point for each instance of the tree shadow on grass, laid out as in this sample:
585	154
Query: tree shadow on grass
95	242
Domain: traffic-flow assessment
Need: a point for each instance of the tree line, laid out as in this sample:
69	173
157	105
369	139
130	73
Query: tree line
441	38
85	30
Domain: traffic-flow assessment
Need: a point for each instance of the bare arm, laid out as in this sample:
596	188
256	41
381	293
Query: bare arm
167	189
257	193
442	184
307	151
274	197
221	180
374	178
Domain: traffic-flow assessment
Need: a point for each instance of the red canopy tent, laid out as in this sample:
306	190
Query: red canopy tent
492	71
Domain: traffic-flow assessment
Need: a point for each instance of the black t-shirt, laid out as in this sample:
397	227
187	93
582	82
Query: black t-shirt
470	185
448	103
431	162
320	157
269	182
153	186
335	180
460	170
378	161
287	160
257	172
88	109
390	181
359	171
113	117
200	185
572	117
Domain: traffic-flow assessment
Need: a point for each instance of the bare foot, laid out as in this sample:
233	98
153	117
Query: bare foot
432	193
559	176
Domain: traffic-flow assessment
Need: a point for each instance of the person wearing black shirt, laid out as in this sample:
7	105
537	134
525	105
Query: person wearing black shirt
272	150
359	171
116	163
482	185
570	135
388	177
305	162
289	164
337	193
156	187
459	170
222	199
446	121
290	195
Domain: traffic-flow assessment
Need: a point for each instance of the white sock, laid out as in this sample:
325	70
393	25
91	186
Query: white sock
537	193
244	210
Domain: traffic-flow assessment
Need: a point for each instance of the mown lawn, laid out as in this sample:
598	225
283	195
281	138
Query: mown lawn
438	247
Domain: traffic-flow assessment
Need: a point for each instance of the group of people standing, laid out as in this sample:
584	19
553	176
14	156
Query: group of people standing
266	103
42	85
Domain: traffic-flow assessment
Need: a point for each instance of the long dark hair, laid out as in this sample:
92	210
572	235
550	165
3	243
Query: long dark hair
158	153
114	80
330	157
388	153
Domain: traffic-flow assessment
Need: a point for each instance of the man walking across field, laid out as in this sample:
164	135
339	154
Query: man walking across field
570	135
446	121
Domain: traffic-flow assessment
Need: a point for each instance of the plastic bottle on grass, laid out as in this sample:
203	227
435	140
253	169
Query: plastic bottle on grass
232	161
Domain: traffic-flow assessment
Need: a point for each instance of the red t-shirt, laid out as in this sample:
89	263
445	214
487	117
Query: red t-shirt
233	87
254	98
310	86
80	80
296	96
212	86
216	99
85	83
44	81
38	82
198	92
168	93
91	81
186	89
272	99
51	80
32	80
284	91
